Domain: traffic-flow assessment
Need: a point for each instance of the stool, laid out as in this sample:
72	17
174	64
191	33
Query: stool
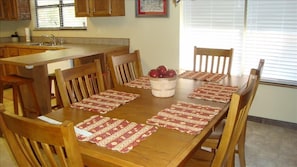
52	79
16	82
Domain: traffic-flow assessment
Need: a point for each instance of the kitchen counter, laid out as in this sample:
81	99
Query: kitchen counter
57	53
35	66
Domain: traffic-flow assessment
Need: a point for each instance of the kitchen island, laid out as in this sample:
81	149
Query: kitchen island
35	66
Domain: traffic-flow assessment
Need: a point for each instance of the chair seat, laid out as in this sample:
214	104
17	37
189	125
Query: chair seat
14	79
16	82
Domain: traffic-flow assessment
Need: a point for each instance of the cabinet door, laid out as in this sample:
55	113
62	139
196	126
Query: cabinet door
101	7
16	9
11	7
82	8
2	16
23	10
108	7
118	7
2	52
11	52
90	8
2	67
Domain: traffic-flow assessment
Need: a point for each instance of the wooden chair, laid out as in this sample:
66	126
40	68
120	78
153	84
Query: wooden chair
213	140
79	82
16	82
56	95
36	143
234	126
125	68
213	60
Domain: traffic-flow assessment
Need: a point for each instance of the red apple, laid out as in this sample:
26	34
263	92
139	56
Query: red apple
154	73
162	75
170	73
162	69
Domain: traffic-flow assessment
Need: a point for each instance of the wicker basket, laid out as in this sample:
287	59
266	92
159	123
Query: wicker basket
163	87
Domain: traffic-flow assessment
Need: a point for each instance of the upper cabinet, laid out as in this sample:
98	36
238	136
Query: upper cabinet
15	10
96	8
2	16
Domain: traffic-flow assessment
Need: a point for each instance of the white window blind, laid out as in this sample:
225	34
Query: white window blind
271	33
58	14
254	28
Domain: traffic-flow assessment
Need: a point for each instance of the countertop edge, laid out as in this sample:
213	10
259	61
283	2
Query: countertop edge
56	53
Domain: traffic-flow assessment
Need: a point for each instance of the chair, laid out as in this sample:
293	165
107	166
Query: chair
213	140
125	68
213	60
234	126
37	143
79	82
53	83
16	82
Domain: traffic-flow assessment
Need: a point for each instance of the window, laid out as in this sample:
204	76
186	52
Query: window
254	28
58	14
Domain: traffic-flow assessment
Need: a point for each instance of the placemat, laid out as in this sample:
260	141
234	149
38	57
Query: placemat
202	76
185	117
114	134
105	101
214	92
142	82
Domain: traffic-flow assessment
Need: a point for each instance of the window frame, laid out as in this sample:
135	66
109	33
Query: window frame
61	16
239	53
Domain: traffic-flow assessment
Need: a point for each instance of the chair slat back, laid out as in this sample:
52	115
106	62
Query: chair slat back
79	82
125	68
213	60
235	123
258	73
36	143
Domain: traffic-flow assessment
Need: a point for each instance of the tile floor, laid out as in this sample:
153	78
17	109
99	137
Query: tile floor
266	146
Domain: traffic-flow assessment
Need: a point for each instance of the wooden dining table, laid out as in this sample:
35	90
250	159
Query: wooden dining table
165	147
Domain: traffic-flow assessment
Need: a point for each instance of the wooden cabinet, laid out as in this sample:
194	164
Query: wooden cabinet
96	8
15	10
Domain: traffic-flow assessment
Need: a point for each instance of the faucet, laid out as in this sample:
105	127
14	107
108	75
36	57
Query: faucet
52	38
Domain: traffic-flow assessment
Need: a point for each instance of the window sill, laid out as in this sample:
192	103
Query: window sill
278	82
59	29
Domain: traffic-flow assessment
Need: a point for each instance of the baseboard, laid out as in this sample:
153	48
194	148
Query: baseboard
273	122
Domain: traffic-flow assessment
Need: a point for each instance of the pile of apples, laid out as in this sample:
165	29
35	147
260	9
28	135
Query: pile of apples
162	72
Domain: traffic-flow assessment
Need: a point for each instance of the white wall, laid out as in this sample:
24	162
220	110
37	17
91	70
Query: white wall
158	42
274	102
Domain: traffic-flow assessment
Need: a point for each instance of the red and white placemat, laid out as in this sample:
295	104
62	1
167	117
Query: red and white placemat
105	101
142	82
202	76
115	134
214	92
185	117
